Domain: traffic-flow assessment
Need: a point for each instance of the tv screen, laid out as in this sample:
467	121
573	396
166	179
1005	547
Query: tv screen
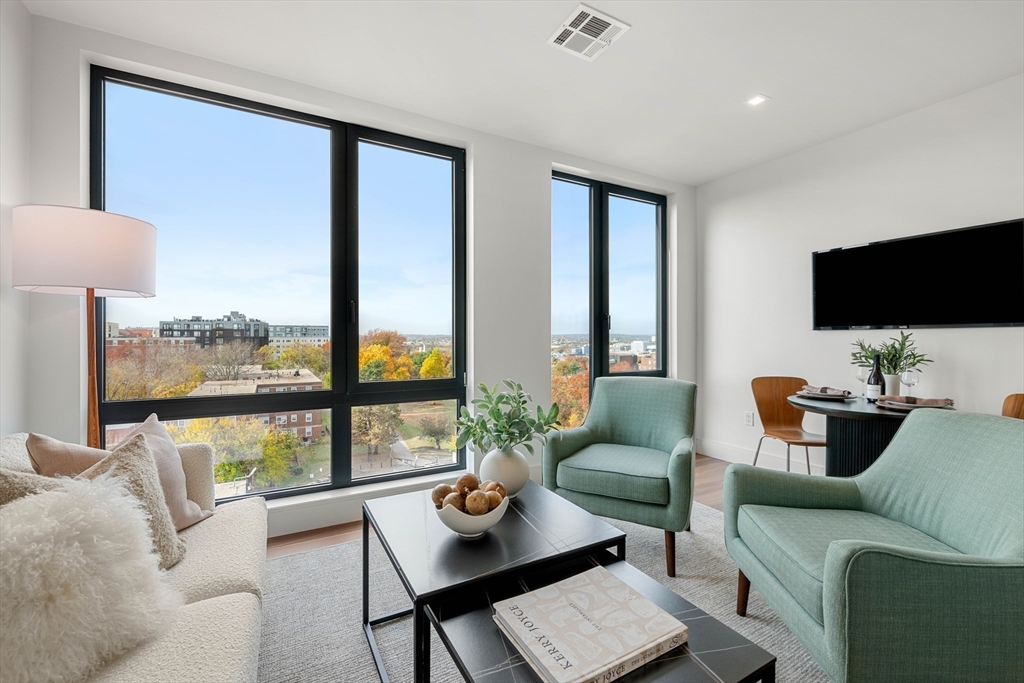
972	277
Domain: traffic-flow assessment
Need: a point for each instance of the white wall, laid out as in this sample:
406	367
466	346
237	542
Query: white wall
954	164
15	75
509	220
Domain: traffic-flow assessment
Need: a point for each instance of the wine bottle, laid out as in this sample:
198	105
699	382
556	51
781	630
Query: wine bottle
875	382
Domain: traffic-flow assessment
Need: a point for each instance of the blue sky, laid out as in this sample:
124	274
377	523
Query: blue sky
632	262
241	203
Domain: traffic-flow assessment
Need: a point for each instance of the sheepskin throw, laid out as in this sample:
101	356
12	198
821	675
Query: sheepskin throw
79	581
52	458
135	466
14	485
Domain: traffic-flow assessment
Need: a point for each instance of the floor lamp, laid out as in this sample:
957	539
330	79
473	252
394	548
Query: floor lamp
67	250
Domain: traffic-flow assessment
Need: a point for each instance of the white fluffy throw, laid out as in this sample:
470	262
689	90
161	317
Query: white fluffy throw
79	582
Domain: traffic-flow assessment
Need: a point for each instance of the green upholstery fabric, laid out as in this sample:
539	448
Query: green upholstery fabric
633	457
966	471
920	558
792	544
616	471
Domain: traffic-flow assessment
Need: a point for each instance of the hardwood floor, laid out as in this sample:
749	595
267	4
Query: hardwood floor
707	490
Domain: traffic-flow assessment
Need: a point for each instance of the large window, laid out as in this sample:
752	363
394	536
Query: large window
309	321
607	288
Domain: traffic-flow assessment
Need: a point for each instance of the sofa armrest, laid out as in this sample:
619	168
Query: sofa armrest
560	446
894	613
197	461
746	485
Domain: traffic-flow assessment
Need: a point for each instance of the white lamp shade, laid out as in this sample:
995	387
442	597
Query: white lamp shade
66	250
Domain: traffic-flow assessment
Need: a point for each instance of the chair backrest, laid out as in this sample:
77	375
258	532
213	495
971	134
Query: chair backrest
1013	406
650	412
958	477
773	409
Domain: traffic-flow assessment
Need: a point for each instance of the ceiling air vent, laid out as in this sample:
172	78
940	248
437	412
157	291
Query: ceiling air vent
587	33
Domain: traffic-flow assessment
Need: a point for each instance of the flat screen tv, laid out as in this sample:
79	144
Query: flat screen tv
971	277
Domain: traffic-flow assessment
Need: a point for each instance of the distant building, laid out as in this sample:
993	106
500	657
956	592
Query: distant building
111	330
305	424
210	332
624	362
638	347
283	336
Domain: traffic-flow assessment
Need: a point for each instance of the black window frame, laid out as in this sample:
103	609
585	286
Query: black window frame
346	391
600	316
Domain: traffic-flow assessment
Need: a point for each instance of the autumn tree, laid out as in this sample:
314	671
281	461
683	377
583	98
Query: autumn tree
570	389
434	365
375	363
389	338
437	427
376	426
139	370
236	442
229	361
278	451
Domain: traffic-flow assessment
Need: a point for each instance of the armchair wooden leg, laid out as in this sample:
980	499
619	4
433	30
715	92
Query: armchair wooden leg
670	552
742	593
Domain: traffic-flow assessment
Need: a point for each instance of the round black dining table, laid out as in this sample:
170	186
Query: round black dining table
856	432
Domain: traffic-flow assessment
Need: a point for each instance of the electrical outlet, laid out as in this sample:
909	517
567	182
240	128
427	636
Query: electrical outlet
748	419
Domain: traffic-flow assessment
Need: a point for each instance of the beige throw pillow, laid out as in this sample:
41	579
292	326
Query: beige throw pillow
52	458
133	463
15	485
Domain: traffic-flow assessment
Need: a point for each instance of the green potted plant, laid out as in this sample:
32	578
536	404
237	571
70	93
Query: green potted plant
503	421
895	356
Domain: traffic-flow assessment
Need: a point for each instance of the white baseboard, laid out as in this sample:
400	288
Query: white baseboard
770	456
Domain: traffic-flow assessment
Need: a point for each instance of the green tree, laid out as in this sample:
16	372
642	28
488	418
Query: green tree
316	359
417	361
434	365
437	428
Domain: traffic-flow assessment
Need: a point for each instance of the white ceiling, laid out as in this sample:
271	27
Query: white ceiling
667	99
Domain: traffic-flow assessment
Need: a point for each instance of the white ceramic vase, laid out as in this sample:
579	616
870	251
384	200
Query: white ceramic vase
511	468
892	385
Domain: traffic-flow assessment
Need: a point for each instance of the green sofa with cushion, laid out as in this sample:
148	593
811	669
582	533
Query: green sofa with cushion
910	571
632	459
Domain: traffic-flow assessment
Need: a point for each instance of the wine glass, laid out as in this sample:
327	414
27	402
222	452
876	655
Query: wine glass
862	377
909	378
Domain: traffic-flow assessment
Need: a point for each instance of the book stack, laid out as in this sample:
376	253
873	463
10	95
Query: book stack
589	628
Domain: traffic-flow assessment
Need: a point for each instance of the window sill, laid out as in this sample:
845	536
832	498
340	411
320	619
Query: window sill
293	514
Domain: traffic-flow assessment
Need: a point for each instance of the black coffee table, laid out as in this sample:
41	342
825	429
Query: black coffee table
713	653
539	529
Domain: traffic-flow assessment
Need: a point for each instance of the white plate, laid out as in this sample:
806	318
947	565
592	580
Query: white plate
907	407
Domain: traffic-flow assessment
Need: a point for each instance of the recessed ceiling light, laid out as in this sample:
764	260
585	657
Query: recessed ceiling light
758	99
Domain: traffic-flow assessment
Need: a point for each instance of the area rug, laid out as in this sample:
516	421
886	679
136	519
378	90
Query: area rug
313	603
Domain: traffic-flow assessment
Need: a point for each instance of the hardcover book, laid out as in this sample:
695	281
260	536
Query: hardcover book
589	628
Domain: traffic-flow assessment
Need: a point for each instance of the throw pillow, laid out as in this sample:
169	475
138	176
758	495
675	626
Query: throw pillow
79	581
14	485
52	458
134	464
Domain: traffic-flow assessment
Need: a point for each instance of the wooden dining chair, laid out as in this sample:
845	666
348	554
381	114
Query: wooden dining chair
780	419
1013	406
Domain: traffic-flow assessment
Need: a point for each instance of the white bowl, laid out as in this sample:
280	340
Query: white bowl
470	526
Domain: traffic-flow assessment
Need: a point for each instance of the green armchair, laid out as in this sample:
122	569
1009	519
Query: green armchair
632	459
910	571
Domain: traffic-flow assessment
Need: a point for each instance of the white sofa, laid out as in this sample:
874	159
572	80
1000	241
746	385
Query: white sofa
216	637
